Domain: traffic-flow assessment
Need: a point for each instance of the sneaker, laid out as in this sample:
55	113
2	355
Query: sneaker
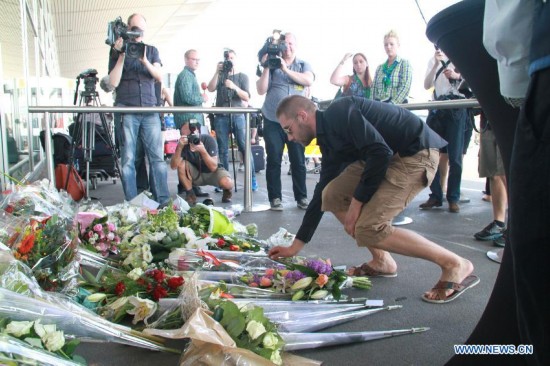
431	203
218	190
501	242
254	184
227	194
276	204
302	203
491	232
241	167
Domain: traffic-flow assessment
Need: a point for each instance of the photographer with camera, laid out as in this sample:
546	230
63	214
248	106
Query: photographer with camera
134	79
232	91
196	159
283	74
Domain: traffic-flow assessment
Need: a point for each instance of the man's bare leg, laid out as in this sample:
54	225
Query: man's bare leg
405	242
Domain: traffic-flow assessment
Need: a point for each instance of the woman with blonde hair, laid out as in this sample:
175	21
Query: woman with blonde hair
359	83
392	79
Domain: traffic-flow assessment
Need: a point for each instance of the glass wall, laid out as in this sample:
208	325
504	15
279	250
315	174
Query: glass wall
29	72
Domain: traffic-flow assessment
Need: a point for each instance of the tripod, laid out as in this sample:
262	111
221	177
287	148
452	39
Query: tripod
84	134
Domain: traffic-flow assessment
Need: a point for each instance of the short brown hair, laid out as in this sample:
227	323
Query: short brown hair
290	105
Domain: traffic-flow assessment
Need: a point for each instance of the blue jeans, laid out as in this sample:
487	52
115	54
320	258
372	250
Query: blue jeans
275	140
145	128
221	125
452	129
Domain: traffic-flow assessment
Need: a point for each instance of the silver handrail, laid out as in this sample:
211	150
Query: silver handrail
445	104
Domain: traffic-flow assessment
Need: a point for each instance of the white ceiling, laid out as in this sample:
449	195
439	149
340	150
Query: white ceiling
80	28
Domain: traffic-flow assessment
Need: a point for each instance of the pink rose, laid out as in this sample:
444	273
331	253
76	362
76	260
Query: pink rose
111	226
98	227
322	280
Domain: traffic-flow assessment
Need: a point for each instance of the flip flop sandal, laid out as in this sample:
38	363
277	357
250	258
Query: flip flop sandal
365	270
458	289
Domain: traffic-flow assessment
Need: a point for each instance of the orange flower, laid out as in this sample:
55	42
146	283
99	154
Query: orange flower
26	244
322	280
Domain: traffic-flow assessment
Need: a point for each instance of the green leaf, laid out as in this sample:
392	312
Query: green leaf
236	326
70	346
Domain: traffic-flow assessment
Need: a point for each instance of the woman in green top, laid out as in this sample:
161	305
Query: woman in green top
359	83
392	79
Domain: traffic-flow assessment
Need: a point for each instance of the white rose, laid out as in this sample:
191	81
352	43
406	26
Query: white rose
276	358
270	340
135	274
147	257
255	329
19	329
54	341
41	330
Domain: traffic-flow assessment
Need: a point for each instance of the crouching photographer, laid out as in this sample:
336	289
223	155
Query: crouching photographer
196	160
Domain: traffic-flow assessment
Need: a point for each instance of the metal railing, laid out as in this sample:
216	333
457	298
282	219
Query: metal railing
248	207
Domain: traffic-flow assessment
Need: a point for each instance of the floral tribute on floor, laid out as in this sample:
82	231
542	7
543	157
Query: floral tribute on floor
136	276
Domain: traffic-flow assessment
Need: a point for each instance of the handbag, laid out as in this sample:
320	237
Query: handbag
343	89
68	179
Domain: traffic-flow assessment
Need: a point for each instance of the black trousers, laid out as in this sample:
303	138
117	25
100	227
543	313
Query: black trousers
518	311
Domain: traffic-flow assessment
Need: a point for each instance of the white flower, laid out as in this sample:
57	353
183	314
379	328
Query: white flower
276	358
97	297
19	329
270	340
118	303
43	329
302	284
135	274
143	309
255	329
318	295
145	248
148	257
54	341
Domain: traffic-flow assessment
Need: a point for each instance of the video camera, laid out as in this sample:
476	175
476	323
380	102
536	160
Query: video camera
90	79
117	29
273	47
227	64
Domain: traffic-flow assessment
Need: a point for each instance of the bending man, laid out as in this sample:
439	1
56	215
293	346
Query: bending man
376	158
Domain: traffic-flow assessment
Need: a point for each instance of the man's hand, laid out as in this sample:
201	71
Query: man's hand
352	215
283	252
119	43
144	59
451	74
198	148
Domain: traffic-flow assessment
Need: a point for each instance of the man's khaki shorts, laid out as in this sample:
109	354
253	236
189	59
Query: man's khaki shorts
404	179
204	178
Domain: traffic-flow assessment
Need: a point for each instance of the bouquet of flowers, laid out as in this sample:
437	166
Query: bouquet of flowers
45	247
135	293
42	336
100	236
311	279
250	329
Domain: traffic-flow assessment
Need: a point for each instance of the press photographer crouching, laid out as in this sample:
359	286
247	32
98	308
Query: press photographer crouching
196	159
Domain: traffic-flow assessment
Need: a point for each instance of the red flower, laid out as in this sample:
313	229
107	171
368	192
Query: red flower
158	275
159	293
26	244
120	288
221	242
234	248
175	282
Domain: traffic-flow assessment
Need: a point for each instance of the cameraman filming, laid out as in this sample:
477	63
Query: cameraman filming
232	91
134	80
293	77
196	160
